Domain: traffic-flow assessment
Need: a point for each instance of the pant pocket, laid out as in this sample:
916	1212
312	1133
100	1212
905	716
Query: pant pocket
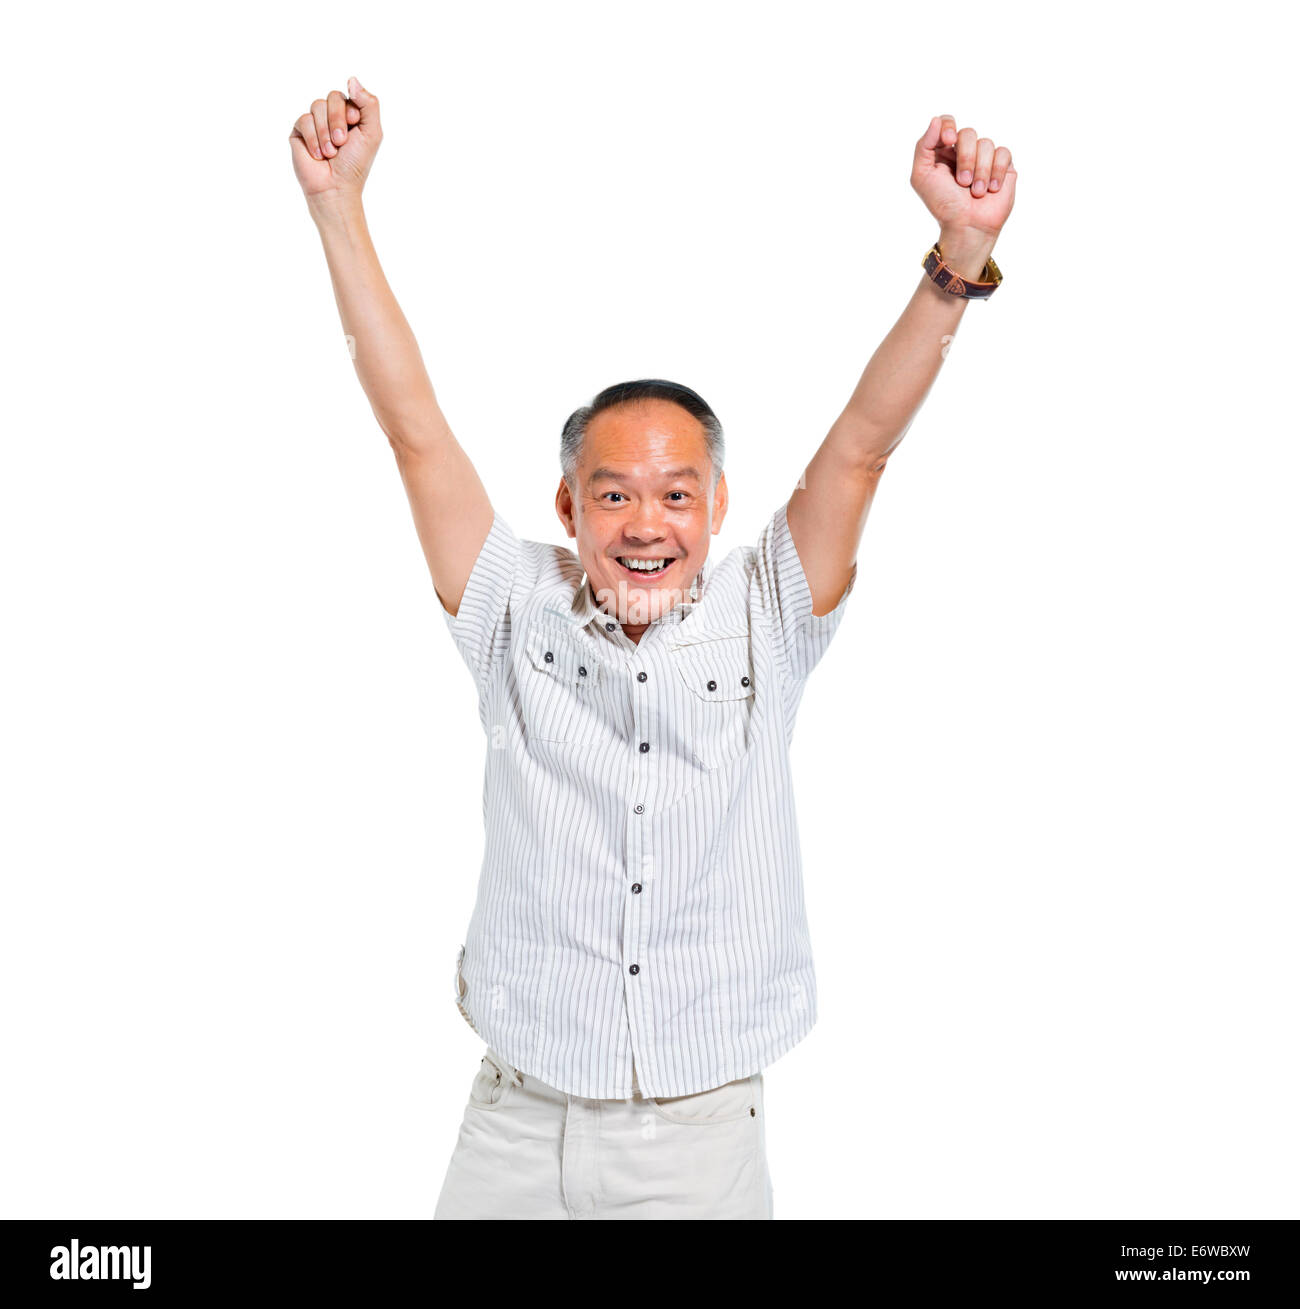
493	1084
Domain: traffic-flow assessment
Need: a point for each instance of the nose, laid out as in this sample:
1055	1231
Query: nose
646	524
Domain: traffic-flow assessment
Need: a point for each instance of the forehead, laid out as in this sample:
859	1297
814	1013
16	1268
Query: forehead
648	434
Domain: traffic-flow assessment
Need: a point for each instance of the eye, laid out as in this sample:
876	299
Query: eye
609	493
683	494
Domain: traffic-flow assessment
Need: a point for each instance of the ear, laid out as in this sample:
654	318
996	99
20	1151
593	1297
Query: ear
564	507
719	503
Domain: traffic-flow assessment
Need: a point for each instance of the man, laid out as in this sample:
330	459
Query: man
639	951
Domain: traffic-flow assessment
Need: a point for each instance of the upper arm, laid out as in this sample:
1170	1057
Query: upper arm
451	509
827	514
783	592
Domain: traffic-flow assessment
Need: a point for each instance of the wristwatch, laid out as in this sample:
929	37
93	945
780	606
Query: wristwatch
952	282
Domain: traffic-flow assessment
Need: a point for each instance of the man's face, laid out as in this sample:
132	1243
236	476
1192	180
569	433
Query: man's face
642	495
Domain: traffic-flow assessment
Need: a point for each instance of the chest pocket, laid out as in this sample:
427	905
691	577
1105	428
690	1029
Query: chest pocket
559	686
718	676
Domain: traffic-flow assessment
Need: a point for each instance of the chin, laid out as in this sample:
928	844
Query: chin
640	600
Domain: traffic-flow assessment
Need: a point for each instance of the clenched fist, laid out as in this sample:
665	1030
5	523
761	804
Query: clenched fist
334	143
966	181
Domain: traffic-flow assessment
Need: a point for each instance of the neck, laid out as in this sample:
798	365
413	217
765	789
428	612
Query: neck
635	631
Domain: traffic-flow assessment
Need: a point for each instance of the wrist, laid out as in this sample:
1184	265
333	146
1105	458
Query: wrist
966	250
335	206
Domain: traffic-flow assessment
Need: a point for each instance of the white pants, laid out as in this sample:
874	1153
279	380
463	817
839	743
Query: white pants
527	1150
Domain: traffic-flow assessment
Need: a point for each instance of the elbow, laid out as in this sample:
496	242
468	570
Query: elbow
408	439
864	449
871	467
878	456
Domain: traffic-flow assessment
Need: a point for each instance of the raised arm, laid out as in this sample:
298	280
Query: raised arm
969	187
333	147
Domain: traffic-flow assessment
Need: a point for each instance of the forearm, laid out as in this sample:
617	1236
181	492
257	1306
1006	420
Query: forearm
384	349
899	375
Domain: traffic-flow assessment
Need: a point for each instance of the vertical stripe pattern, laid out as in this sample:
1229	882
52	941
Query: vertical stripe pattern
641	893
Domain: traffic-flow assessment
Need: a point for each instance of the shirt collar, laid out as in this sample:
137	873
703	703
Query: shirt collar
584	610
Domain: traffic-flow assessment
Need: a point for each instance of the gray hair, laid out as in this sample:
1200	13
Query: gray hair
649	388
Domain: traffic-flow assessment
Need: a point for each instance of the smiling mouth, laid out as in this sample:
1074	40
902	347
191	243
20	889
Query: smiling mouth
649	567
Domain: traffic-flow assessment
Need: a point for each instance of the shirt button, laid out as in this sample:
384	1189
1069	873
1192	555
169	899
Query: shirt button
713	686
636	968
549	657
645	747
636	888
640	809
744	681
582	672
640	677
609	627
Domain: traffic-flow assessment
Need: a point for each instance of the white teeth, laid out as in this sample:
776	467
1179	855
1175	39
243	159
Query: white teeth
646	565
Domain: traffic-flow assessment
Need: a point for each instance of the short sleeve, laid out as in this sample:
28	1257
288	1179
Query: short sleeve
479	627
784	593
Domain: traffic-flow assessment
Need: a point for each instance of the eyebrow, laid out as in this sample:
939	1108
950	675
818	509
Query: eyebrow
672	474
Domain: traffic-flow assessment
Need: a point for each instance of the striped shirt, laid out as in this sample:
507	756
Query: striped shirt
641	893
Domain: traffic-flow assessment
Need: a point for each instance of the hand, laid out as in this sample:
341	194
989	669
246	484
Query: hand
334	144
967	184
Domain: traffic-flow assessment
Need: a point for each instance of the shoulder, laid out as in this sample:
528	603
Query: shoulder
726	599
736	568
546	573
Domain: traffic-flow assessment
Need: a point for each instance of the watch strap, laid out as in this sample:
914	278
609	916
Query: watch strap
951	282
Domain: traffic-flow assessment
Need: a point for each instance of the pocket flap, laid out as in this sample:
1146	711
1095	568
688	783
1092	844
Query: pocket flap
718	669
553	650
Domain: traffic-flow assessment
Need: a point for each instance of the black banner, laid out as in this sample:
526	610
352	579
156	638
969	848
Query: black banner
180	1261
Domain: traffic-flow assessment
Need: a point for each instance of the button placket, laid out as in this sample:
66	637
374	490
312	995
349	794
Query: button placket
645	763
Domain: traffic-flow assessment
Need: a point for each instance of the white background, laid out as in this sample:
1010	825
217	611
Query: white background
1047	770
